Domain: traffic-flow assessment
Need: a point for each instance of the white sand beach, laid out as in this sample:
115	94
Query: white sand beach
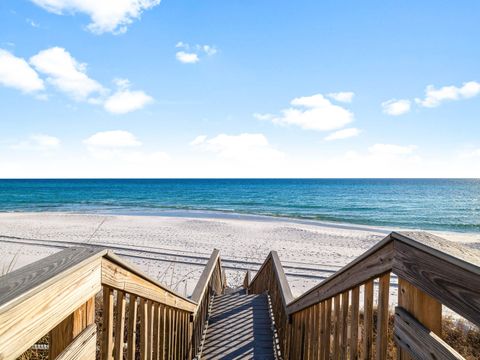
175	249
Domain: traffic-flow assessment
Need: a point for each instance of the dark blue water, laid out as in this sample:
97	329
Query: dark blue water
440	204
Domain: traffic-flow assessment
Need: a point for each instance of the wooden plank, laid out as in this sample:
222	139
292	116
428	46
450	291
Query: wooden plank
143	329
119	278
23	322
64	333
120	325
449	283
382	316
328	324
132	327
83	346
107	325
373	263
316	331
418	341
337	324
162	332
156	331
150	330
344	325
354	323
368	320
423	307
18	285
322	335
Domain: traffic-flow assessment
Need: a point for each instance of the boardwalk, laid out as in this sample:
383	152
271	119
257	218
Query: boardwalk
239	328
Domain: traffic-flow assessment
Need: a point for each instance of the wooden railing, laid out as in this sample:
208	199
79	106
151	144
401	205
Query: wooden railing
346	316
56	297
271	279
211	282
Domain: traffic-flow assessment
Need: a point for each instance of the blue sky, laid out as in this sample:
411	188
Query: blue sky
239	88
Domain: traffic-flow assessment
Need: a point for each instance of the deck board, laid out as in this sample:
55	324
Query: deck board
239	328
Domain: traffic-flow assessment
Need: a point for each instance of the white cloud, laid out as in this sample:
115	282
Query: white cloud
66	74
112	139
391	149
434	97
344	96
343	134
396	107
187	58
38	142
124	100
243	147
15	72
106	15
313	113
191	53
263	117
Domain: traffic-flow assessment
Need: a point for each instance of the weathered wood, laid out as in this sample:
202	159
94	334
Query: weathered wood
143	310
35	312
107	336
132	327
368	320
337	324
382	316
120	325
150	329
344	326
83	347
63	334
354	323
206	276
451	284
328	324
418	341
423	307
375	262
116	276
156	331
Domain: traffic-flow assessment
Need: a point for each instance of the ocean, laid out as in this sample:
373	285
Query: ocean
430	204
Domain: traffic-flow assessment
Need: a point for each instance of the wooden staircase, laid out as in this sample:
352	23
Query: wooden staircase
90	304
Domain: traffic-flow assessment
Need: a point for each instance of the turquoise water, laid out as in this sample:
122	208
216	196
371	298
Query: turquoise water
440	204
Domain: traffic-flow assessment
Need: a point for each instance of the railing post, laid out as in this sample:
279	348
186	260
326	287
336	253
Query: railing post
64	333
420	305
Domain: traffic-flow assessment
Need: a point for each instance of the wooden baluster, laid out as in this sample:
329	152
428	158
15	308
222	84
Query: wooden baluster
368	320
382	316
328	324
354	323
150	314
132	327
143	329
156	332
64	333
344	326
170	333
107	346
421	306
120	325
336	333
162	332
307	332
322	336
316	330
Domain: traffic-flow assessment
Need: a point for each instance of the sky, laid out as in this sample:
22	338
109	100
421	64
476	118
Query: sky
239	88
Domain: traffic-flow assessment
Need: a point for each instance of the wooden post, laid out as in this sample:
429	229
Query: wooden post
421	306
64	333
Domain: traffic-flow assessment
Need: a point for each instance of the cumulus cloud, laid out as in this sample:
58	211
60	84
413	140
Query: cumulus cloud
112	139
345	96
435	97
38	142
124	100
396	107
244	146
343	134
190	54
187	58
66	74
16	73
106	15
312	113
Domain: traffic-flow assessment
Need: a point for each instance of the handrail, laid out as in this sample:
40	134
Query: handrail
211	282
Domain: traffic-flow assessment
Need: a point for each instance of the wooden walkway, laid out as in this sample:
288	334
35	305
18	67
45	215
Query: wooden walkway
239	328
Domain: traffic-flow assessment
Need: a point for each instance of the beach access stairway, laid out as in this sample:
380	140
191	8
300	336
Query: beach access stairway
88	303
